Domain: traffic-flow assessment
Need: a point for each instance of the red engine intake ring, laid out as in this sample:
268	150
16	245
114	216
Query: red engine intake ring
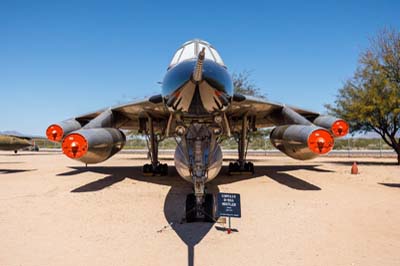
320	141
74	146
54	133
340	128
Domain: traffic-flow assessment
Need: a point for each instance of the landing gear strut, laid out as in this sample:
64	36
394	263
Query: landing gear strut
198	144
155	168
241	166
204	211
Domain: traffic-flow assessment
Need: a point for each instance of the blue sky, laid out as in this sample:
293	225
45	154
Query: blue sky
59	59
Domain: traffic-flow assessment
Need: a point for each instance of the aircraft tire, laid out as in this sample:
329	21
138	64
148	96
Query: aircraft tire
190	208
164	169
209	208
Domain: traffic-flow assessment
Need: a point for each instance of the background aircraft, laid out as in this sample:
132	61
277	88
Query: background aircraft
198	108
14	141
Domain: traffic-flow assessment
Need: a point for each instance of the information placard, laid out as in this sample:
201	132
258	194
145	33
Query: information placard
229	205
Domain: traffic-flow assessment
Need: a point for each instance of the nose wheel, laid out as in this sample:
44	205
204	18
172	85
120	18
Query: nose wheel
200	211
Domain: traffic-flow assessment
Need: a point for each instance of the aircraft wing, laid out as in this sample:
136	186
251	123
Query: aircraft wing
127	115
20	135
265	112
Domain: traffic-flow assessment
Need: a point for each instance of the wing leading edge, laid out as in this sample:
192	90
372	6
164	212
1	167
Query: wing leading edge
265	113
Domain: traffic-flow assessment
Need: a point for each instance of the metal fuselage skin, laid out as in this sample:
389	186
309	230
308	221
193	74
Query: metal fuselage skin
12	143
198	102
214	74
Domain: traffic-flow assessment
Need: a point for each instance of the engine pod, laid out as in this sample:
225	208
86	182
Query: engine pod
302	142
93	145
338	127
56	132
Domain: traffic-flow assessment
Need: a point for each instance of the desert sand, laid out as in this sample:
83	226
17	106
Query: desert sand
54	211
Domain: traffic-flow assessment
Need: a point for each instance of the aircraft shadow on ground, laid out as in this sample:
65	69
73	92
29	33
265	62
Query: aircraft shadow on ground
396	185
363	162
25	154
190	233
15	171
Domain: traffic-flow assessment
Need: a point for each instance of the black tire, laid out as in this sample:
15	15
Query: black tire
246	167
209	208
190	208
236	167
146	168
164	169
251	167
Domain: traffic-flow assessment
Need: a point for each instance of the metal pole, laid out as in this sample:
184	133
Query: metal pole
153	147
380	147
243	139
265	147
229	222
348	147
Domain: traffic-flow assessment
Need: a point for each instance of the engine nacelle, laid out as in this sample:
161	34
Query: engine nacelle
93	145
183	166
338	127
56	132
302	142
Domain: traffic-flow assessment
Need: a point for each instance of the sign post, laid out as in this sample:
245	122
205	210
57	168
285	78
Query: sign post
229	206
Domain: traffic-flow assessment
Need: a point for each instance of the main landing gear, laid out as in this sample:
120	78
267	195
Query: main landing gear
159	169
241	166
155	167
235	169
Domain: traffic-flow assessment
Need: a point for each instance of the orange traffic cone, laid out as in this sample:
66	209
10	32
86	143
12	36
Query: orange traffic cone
354	169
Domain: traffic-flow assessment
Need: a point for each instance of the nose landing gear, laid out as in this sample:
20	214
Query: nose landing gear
200	211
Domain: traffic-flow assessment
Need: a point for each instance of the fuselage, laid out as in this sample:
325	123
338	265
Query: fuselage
215	77
203	97
198	87
12	143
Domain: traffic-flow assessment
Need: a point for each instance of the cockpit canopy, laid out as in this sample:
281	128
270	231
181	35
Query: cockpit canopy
191	49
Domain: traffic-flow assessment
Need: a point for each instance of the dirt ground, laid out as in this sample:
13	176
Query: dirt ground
54	211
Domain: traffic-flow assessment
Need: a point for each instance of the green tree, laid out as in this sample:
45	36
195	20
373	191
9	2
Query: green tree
370	100
243	85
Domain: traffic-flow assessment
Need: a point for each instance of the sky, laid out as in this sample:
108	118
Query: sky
60	59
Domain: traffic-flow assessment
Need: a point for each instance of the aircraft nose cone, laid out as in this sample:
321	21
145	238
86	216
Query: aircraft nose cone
74	147
320	143
340	130
54	134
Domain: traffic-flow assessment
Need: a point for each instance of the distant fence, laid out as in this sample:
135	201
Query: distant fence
334	153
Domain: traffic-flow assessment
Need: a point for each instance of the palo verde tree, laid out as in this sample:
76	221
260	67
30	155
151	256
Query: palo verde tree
243	85
370	100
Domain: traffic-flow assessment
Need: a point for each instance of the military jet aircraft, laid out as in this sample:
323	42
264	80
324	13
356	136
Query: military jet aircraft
15	142
198	107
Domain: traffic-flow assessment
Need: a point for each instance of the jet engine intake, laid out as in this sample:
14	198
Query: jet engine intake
302	142
56	132
338	127
93	145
